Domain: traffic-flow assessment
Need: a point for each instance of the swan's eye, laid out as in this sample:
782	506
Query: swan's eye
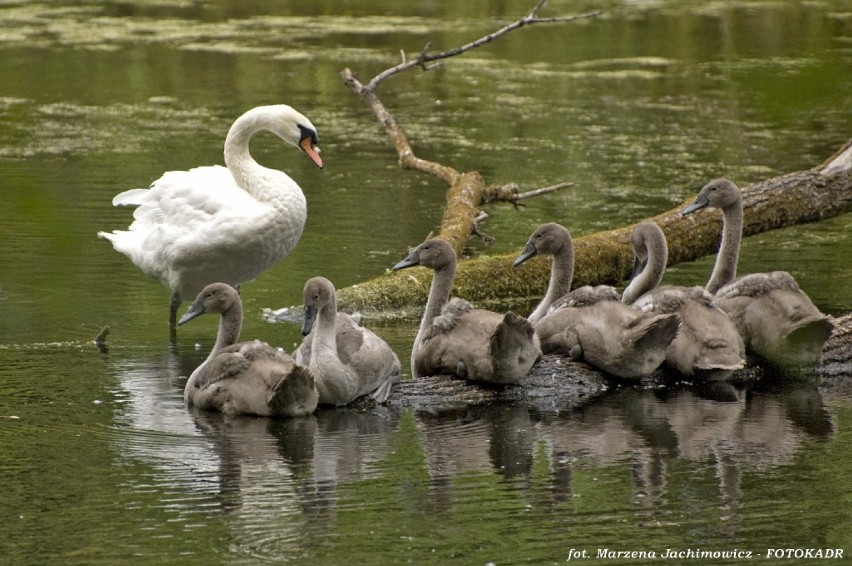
305	132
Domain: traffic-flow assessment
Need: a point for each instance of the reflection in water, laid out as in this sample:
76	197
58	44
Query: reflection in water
644	428
280	479
98	95
274	477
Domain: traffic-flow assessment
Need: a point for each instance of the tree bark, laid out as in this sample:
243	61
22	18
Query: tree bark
606	257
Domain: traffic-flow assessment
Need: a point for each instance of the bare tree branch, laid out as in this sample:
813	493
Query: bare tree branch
544	190
511	193
425	57
467	190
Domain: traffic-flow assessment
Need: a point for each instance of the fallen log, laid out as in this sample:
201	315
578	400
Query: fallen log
606	257
557	383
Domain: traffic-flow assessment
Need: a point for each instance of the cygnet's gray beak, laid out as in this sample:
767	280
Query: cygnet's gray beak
410	261
310	317
526	253
195	310
700	202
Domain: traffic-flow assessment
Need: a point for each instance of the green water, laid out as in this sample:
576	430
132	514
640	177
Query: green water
101	463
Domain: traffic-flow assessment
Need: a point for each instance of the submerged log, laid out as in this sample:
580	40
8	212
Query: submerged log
557	383
606	257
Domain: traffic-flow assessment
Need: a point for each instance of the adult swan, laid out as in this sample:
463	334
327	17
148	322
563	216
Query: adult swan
219	224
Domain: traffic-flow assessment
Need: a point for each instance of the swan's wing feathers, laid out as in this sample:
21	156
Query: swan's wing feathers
233	360
669	298
758	284
448	319
381	394
456	307
349	337
226	365
186	200
373	360
700	295
645	303
512	331
132	197
586	296
654	331
294	394
374	356
257	350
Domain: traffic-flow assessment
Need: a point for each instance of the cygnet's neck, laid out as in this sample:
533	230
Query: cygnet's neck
230	325
439	294
561	276
325	338
725	269
650	276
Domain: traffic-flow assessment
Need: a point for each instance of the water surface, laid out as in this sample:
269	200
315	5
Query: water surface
102	463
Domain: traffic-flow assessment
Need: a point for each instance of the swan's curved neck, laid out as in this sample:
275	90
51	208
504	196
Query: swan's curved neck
725	269
561	275
439	294
326	330
230	325
650	276
238	159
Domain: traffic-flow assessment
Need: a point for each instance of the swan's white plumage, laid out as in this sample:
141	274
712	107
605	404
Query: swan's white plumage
219	224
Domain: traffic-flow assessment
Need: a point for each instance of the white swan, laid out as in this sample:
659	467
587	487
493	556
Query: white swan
219	224
348	361
245	378
775	317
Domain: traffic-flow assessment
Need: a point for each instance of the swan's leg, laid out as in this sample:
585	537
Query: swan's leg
174	305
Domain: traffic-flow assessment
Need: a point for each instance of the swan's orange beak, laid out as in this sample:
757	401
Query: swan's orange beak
313	151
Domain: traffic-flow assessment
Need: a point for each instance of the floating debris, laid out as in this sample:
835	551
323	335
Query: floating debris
100	340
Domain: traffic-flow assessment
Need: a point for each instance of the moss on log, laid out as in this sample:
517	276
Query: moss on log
606	257
463	199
